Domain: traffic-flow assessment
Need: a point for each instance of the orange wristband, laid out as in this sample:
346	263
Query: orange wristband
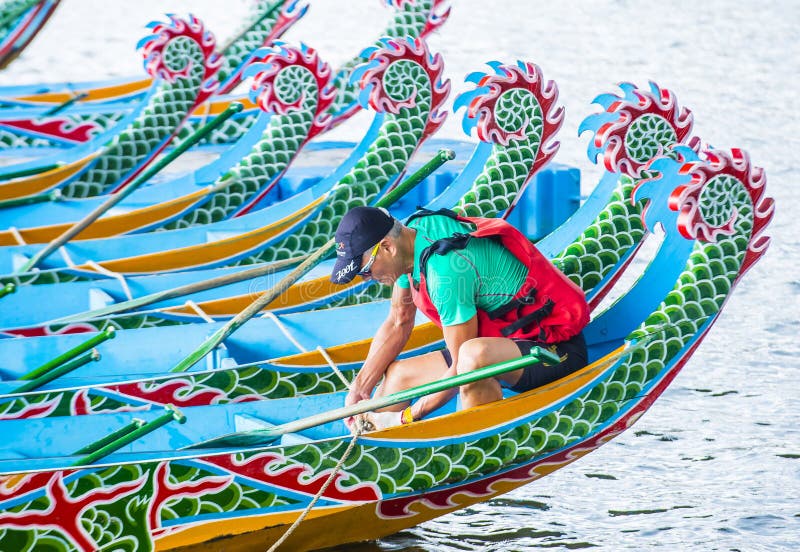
406	417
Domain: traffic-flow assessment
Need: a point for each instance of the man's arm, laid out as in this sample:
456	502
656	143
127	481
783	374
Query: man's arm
388	342
454	337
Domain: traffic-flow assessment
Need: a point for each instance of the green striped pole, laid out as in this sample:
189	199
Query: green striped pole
267	436
146	175
26	172
313	260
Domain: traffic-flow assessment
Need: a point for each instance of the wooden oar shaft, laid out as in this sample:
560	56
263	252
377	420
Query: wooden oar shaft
180	291
268	296
148	173
110	438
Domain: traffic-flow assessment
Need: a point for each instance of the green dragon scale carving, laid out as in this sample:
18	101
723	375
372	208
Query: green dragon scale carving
720	207
615	231
294	85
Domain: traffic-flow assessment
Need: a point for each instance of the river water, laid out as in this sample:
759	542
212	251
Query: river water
715	463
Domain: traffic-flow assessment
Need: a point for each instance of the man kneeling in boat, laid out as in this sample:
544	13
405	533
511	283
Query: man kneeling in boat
494	295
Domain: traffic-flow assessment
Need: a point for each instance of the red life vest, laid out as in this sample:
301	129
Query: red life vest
548	307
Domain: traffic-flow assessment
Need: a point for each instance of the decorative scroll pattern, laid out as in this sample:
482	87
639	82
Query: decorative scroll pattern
403	80
295	85
181	55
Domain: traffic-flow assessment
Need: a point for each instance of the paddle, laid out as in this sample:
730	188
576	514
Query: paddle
268	436
64	105
311	261
179	291
148	173
126	435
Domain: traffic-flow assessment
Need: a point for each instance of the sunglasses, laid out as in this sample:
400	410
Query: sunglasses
366	270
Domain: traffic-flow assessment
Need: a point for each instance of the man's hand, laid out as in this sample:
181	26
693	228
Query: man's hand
382	420
355	395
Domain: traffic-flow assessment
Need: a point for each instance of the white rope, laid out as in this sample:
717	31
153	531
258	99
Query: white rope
359	429
199	311
116	275
282	327
17	236
331	477
332	364
67	259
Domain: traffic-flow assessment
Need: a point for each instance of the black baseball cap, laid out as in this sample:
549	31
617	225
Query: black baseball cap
360	229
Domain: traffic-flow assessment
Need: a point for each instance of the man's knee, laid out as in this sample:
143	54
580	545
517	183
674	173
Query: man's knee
473	354
400	375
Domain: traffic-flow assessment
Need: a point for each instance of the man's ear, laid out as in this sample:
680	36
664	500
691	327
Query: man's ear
389	244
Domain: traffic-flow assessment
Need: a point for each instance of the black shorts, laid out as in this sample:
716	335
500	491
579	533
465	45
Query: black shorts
573	357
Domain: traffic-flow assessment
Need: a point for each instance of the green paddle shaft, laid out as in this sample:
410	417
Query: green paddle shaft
267	436
146	175
57	372
129	437
26	172
111	437
277	6
7	289
64	105
90	343
313	260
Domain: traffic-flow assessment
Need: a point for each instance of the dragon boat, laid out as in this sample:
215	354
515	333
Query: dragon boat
180	53
27	130
20	22
594	264
245	489
47	117
293	88
307	219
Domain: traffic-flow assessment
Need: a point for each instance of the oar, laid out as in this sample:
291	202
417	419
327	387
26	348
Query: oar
180	291
311	261
126	435
97	339
62	106
56	372
148	173
270	435
7	289
26	172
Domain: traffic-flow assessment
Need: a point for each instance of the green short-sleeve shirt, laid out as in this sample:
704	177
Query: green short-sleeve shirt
484	275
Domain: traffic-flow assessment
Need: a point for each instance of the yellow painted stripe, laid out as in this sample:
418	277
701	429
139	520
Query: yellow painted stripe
356	351
298	294
93	94
115	225
217	106
196	255
266	529
488	415
42	182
